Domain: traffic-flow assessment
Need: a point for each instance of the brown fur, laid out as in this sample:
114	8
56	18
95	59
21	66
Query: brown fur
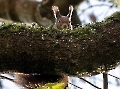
62	21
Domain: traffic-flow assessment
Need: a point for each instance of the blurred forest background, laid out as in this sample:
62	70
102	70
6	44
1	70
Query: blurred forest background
85	11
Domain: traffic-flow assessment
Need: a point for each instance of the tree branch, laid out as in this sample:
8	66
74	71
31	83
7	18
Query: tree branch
83	51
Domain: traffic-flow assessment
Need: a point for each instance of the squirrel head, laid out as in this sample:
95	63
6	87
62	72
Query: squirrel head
62	21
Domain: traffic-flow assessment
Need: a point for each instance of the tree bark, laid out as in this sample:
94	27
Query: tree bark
83	51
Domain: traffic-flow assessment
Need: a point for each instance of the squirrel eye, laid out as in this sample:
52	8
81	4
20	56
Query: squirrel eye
58	21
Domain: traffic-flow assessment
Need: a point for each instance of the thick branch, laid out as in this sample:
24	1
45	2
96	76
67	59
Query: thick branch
82	51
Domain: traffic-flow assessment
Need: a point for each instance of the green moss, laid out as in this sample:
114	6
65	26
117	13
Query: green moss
83	51
53	86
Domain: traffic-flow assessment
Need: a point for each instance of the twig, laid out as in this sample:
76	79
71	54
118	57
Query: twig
12	80
3	77
74	85
90	83
114	76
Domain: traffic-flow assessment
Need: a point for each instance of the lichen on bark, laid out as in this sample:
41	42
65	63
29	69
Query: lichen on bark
84	51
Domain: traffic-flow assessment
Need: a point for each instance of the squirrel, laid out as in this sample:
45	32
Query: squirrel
60	20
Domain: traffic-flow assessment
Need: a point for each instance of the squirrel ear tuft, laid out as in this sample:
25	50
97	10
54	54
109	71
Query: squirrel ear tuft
70	11
56	12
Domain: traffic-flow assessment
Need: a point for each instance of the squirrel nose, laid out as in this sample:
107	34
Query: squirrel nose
64	26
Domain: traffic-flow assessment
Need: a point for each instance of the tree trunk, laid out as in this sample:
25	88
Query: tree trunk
105	81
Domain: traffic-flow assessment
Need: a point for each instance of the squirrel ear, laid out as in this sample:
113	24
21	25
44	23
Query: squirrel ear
70	11
56	12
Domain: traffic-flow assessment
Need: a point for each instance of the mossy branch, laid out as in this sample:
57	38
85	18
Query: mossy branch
83	51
